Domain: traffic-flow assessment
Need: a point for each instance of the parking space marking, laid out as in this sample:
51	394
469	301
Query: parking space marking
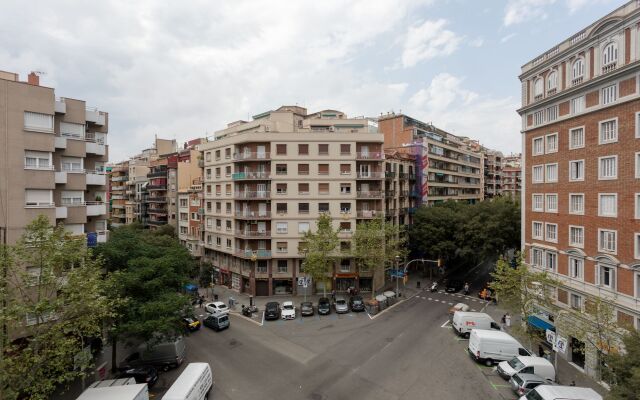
450	304
445	324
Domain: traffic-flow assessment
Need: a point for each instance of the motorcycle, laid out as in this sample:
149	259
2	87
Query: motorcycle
466	289
434	287
246	311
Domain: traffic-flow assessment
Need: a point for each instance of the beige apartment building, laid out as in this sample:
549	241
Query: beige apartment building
512	176
492	173
54	152
266	181
401	194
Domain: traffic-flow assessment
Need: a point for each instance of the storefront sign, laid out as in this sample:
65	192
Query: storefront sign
551	337
561	345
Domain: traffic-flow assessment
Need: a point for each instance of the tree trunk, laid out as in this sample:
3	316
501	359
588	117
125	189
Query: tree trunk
114	345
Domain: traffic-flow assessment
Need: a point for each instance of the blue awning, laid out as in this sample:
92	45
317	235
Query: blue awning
189	287
540	323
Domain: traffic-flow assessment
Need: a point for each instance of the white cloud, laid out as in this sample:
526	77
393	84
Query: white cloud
518	11
576	5
428	40
449	106
477	42
510	36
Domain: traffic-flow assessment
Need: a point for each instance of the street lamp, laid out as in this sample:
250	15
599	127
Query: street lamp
397	276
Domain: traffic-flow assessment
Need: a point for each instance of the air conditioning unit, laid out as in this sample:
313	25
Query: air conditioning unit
332	129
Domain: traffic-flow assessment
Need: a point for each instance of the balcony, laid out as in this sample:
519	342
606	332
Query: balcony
253	253
609	67
156	199
119	178
117	206
253	215
61	212
95	208
156	222
389	175
250	175
576	81
250	156
360	155
61	106
103	236
96	178
96	148
369	175
371	194
61	177
253	234
390	193
95	116
365	214
60	142
157	174
252	195
156	187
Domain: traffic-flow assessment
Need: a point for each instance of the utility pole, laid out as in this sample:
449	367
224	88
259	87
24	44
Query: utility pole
3	291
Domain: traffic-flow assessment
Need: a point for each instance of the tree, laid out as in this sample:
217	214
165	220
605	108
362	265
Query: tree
625	368
148	270
56	303
320	249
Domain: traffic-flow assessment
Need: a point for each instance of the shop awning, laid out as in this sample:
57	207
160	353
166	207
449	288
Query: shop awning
540	323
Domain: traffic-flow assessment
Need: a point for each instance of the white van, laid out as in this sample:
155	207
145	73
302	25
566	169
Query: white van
491	346
527	365
548	392
194	383
464	322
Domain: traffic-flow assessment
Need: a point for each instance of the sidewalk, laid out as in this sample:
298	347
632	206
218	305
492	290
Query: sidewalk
566	373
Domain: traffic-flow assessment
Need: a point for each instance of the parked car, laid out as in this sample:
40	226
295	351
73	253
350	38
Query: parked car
489	346
523	383
163	355
194	383
454	286
272	310
216	308
356	303
288	310
341	305
217	322
191	324
553	392
458	307
527	365
306	308
465	321
142	374
324	306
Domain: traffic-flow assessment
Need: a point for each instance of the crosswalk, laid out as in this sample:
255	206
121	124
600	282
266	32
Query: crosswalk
451	299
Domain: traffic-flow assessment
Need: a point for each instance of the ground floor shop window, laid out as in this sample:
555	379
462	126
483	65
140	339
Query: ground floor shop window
365	284
235	281
577	352
282	286
343	284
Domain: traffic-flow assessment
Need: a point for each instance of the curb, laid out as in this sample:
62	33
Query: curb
237	314
390	307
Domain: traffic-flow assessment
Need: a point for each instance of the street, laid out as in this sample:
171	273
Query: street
407	352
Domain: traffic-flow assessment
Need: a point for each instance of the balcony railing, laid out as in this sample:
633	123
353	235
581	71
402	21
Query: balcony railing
250	175
389	175
157	174
369	175
253	195
608	68
156	199
369	155
156	187
254	234
252	253
368	213
372	194
576	81
251	156
253	214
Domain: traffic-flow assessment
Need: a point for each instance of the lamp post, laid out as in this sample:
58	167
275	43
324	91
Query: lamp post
397	275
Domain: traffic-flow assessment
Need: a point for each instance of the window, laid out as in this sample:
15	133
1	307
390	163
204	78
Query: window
345	208
345	265
577	105
281	247
538	117
262	267
323	188
551	261
552	203
576	301
282	227
607	167
551	173
228	189
37	160
72	164
303	188
552	143
228	243
323	207
538	88
208	173
538	146
576	203
609	94
537	257
576	236
608	131
576	138
323	169
609	56
538	174
345	149
282	266
606	276
207	156
218	190
303	227
281	208
281	169
607	205
345	226
552	113
38	198
72	198
577	70
537	202
552	81
345	169
38	122
576	268
227	153
281	149
281	188
607	240
345	246
303	149
638	125
228	225
636	246
217	155
303	169
218	241
637	165
323	149
576	170
345	188
551	234
637	213
303	208
537	230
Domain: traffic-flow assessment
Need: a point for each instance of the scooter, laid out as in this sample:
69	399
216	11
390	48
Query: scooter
434	286
466	289
246	311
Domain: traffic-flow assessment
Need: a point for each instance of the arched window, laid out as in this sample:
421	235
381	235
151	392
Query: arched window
577	70
538	87
609	56
552	80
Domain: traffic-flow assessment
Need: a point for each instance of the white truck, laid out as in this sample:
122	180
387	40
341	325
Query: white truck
116	389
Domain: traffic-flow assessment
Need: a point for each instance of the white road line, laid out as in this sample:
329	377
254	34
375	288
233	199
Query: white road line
473	309
430	298
450	304
445	324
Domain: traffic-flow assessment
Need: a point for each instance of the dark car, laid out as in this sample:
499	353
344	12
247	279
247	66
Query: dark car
143	374
217	322
272	310
356	303
191	324
454	286
324	306
306	308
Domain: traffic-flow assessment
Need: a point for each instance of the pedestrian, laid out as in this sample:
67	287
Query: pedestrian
540	351
349	290
200	301
333	294
504	319
573	383
507	319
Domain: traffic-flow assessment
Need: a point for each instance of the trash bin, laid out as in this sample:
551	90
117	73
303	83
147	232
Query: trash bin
382	302
372	306
391	297
215	297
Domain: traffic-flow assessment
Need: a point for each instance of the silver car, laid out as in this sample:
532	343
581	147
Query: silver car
524	383
341	305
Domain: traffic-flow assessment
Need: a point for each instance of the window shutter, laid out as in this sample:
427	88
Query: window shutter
73	130
38	121
37	197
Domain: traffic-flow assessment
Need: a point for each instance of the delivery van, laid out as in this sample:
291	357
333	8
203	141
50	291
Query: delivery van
111	390
464	321
548	392
489	346
194	383
527	365
164	355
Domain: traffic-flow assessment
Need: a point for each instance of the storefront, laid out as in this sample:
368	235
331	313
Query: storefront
235	281
246	285
224	277
324	286
345	281
282	286
577	353
262	287
365	284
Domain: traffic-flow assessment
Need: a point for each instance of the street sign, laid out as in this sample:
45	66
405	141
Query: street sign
561	344
551	337
304	281
397	273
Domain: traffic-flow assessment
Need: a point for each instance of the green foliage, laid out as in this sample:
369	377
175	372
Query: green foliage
320	249
63	290
625	368
461	233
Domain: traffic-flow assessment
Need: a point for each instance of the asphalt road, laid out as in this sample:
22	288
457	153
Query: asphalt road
404	353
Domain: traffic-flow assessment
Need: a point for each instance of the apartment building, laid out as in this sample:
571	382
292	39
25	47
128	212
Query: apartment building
53	162
267	180
402	193
191	217
581	162
448	167
492	173
118	176
512	176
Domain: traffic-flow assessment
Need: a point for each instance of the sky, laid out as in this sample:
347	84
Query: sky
184	69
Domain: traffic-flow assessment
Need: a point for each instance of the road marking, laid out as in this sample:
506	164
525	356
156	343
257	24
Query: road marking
450	304
473	309
430	298
445	324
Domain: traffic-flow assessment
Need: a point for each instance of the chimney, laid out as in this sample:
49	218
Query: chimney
33	79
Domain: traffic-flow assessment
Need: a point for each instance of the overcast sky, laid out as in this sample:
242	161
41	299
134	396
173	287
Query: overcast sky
183	69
